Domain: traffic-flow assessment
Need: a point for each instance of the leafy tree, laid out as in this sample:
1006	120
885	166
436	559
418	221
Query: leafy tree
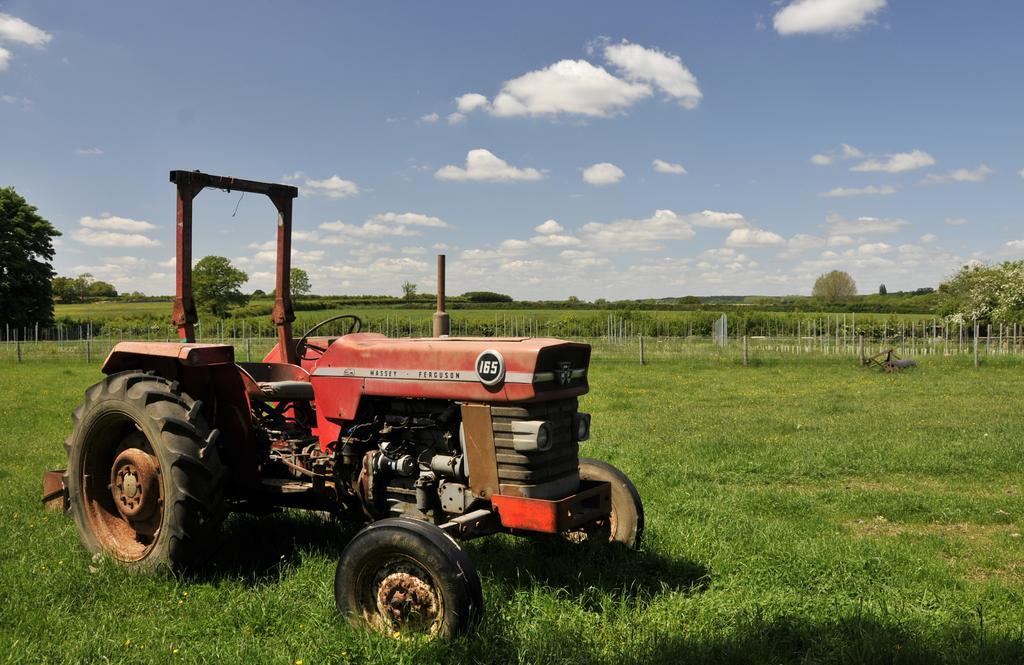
77	289
102	290
26	250
300	282
834	286
259	293
882	290
408	290
216	283
486	296
984	293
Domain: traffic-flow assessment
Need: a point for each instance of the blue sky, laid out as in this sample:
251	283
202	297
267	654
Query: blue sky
879	137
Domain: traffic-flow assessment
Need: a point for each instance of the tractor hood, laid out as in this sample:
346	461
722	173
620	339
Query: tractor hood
485	369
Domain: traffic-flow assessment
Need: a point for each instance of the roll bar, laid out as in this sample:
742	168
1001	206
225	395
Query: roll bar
189	184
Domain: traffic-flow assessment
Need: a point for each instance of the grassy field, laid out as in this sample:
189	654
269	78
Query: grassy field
801	510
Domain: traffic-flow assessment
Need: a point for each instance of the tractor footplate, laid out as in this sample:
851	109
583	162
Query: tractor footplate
592	502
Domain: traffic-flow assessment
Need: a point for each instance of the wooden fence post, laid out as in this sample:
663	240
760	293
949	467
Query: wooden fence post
746	357
641	349
976	344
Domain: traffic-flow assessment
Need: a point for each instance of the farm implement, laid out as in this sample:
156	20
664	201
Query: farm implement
427	441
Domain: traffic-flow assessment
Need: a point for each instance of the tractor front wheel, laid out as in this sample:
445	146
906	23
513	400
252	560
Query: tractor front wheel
144	479
625	525
401	575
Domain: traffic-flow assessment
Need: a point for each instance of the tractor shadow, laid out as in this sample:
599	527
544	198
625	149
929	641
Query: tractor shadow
578	569
259	549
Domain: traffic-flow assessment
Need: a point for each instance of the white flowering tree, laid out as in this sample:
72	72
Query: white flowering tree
984	294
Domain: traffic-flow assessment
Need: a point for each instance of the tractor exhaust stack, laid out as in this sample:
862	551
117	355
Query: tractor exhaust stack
442	323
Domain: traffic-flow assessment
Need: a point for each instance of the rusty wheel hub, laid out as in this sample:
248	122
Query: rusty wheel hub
406	599
134	484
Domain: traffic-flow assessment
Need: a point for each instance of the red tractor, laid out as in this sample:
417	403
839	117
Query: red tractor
428	441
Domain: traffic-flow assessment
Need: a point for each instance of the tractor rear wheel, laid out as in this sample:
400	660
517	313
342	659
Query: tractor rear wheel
625	525
144	479
401	575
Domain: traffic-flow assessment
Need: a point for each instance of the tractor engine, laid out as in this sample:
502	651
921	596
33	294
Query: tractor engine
406	457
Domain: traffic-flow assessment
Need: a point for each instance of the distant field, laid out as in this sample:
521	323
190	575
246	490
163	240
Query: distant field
799	511
152	319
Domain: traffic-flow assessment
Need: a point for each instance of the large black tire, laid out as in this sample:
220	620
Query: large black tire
146	420
626	525
404	575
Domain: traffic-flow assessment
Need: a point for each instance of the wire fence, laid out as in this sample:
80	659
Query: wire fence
619	344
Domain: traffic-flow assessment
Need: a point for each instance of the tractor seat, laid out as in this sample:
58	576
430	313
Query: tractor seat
286	391
275	382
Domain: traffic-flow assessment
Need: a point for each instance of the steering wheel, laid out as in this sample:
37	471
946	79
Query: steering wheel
303	344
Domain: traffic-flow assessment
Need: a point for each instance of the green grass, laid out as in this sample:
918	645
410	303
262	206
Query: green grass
803	510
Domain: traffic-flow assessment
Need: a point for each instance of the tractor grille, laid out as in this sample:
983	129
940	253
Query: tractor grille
551	474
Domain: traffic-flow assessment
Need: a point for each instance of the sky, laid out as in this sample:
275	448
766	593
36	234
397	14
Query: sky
588	149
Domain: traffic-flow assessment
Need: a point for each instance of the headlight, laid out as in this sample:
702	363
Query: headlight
543	438
582	426
529	436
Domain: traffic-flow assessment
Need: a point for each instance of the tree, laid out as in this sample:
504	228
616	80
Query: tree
408	290
834	286
26	250
984	293
300	282
486	296
259	293
215	283
882	290
77	289
100	289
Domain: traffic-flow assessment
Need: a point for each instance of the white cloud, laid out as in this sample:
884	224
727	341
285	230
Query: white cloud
513	246
89	151
568	86
580	87
112	223
897	162
470	101
602	173
455	118
870	190
94	238
956	221
484	166
1016	244
1021	173
333	187
5	61
13	29
712	219
840	241
638	234
838	225
381	225
549	227
298	256
817	16
661	166
845	151
752	237
664	70
408	219
850	152
430	118
555	240
959	175
929	238
870	249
